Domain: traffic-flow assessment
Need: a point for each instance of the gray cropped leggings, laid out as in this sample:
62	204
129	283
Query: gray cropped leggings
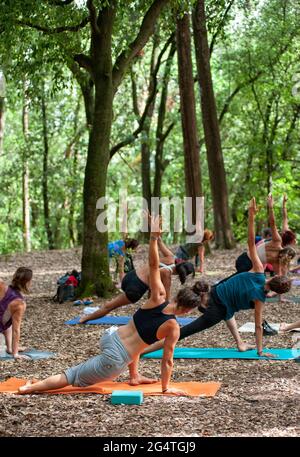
106	366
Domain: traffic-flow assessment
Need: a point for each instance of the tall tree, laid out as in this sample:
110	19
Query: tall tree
217	174
25	171
188	112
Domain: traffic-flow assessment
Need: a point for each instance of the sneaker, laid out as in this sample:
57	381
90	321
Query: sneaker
268	330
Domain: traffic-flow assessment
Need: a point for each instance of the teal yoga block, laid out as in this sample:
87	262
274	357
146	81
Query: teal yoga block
127	397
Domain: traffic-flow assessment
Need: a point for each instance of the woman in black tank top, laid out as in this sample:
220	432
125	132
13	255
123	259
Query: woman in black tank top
154	321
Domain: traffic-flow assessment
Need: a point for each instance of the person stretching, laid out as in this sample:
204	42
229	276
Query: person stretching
155	320
136	283
12	309
239	292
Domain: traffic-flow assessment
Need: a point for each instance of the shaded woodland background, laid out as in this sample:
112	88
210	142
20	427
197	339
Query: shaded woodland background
162	97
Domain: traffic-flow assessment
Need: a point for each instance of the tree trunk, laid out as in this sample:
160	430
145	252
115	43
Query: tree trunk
25	173
188	112
95	268
223	232
1	123
45	174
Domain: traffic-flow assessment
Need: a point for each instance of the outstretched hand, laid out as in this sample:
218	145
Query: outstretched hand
155	225
252	206
270	201
284	199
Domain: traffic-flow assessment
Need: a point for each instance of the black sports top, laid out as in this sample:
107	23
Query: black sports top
148	321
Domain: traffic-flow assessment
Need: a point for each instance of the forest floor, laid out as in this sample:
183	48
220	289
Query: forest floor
257	397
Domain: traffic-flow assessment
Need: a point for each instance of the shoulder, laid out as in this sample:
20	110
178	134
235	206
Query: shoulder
18	305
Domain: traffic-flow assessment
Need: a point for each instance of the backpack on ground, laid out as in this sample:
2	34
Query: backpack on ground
67	285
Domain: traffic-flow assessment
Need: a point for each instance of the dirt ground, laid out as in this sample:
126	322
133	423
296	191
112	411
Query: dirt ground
257	397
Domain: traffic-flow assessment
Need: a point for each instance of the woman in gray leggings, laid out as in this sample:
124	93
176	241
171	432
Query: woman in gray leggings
154	321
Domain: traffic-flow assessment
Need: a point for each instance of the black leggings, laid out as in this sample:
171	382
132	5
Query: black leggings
213	314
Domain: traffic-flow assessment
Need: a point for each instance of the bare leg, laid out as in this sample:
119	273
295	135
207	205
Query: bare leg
288	327
53	382
135	377
120	300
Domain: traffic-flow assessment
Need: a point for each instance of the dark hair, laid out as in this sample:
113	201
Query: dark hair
280	284
131	243
75	273
288	237
183	269
21	279
286	254
201	287
187	299
267	233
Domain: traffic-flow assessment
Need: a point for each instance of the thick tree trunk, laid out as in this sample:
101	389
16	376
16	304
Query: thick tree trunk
188	112
1	123
223	232
95	269
25	174
45	174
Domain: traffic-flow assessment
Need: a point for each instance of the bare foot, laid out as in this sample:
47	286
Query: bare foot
27	388
141	380
283	327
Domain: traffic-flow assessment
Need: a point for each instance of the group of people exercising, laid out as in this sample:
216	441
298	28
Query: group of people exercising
154	324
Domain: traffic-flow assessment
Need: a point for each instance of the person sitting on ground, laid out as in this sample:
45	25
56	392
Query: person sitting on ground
12	309
117	250
284	328
136	283
239	292
155	320
189	250
270	252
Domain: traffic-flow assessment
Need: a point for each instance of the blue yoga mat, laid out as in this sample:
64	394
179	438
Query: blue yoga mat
121	320
34	354
221	353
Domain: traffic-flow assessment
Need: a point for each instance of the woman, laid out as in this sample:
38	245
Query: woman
287	235
189	250
155	320
136	283
12	309
118	250
270	252
239	292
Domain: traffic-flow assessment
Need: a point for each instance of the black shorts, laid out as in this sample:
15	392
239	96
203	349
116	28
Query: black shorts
243	263
133	287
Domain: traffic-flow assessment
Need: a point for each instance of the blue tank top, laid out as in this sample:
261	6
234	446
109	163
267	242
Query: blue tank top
148	321
240	290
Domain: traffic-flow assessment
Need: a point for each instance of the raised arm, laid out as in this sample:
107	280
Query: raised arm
272	223
285	224
158	292
256	262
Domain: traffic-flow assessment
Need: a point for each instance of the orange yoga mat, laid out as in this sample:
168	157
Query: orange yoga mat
192	389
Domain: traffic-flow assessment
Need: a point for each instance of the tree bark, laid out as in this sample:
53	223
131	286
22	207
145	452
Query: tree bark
223	232
45	173
25	173
1	123
188	112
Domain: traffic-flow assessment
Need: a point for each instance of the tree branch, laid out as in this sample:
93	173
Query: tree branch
93	16
220	26
84	62
40	28
146	30
131	138
60	2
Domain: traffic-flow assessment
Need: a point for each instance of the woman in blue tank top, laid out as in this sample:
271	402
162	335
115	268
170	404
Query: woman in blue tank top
242	291
154	321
